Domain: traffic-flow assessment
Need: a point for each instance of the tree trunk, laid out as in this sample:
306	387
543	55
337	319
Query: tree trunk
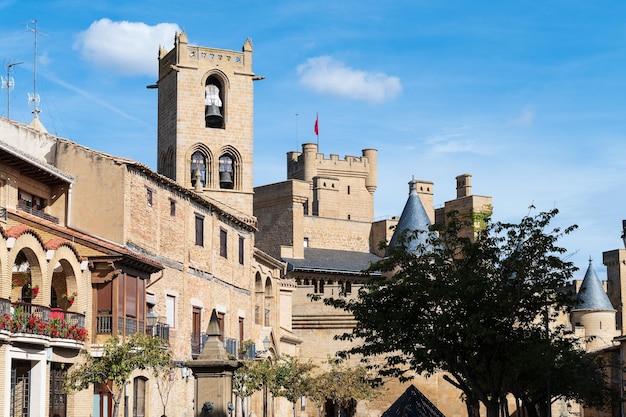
493	409
473	408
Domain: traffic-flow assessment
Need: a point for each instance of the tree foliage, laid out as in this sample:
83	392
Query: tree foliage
342	383
290	378
119	359
471	305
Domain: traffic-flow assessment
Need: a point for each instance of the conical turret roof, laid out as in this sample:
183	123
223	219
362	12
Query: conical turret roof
413	218
591	295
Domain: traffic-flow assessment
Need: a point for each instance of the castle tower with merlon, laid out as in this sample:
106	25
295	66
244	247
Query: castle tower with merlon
341	188
467	206
205	120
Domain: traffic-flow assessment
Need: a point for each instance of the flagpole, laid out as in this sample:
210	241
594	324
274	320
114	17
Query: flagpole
317	130
296	149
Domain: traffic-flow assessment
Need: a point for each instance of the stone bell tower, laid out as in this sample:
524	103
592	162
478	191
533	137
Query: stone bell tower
205	120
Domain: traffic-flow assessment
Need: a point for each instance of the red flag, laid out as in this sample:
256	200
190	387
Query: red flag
316	126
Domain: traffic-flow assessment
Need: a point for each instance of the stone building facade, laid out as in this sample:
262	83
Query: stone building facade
327	237
195	233
193	240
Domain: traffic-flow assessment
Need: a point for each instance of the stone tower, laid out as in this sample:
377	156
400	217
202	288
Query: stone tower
205	120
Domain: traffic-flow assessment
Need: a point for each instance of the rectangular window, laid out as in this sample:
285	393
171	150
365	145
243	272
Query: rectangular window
104	308
139	397
170	307
149	198
220	323
196	326
172	208
199	230
241	251
223	243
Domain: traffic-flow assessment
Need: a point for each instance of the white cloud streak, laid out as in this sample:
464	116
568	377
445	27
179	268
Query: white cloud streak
525	119
125	48
327	76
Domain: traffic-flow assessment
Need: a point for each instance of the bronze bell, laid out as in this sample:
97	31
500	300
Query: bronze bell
213	115
226	179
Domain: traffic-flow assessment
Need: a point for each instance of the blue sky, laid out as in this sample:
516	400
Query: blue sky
527	96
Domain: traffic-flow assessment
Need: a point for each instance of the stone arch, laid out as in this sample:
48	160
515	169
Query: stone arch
215	88
166	163
259	302
65	278
5	269
236	165
268	299
204	151
29	267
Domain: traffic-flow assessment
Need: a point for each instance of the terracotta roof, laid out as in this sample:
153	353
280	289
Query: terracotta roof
82	243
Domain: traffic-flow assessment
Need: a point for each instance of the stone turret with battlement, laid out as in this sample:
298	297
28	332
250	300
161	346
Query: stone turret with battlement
341	188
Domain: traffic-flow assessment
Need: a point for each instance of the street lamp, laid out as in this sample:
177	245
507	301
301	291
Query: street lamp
151	320
267	343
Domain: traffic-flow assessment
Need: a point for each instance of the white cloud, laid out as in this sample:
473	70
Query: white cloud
526	118
453	140
126	48
328	76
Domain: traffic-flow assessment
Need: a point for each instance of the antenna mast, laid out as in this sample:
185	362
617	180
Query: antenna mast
34	98
9	83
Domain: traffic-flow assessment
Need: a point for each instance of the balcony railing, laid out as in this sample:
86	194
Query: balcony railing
232	346
197	343
161	330
38	213
20	317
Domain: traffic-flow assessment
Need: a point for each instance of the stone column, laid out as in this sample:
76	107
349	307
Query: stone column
213	372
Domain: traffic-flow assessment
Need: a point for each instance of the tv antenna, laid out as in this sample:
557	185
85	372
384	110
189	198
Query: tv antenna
33	98
9	84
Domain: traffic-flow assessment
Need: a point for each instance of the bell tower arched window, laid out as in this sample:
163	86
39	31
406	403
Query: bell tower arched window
198	168
227	172
214	103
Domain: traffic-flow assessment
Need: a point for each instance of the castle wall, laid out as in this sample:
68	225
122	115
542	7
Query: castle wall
328	233
615	262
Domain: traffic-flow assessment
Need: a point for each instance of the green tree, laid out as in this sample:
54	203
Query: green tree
342	383
253	376
467	305
285	377
119	359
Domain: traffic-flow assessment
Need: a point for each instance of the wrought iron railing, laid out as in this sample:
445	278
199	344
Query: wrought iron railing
161	330
37	212
232	346
21	317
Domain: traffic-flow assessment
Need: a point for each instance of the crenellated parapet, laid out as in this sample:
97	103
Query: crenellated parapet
190	56
309	163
